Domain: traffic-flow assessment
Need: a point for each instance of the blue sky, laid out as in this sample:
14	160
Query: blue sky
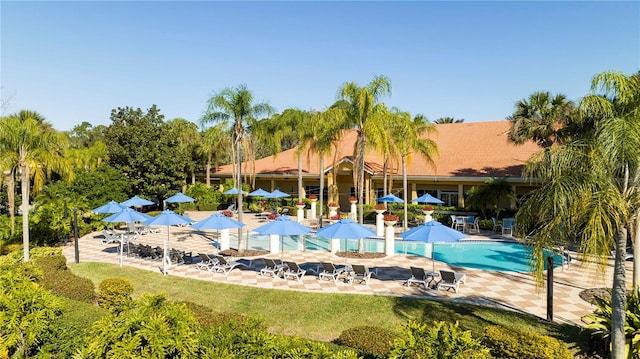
76	61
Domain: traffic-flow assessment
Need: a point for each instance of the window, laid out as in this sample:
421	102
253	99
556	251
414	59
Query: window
450	198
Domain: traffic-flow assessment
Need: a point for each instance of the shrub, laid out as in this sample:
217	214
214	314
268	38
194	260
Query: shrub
207	206
380	207
510	343
391	217
442	340
51	262
371	341
115	293
69	285
601	322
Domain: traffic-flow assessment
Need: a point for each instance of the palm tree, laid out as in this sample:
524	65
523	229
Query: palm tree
292	124
30	147
326	129
590	188
407	135
364	113
542	118
213	146
236	104
443	120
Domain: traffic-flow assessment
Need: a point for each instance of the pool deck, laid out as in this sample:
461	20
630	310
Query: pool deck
515	291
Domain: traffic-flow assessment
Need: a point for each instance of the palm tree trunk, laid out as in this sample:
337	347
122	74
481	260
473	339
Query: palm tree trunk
636	255
321	191
384	177
404	189
208	170
25	210
11	196
619	299
300	196
239	187
361	182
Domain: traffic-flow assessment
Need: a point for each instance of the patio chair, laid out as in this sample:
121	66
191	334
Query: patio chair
507	226
420	277
206	262
496	225
360	273
133	229
284	211
293	270
451	280
474	225
110	236
330	271
272	268
460	223
225	266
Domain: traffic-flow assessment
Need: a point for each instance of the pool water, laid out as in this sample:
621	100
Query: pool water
494	256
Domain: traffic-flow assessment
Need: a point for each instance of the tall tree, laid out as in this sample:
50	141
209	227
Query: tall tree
542	118
188	140
326	128
443	120
590	188
148	151
408	135
237	106
364	112
31	148
214	147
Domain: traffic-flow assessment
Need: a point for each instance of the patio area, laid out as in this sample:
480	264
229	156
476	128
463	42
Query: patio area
514	291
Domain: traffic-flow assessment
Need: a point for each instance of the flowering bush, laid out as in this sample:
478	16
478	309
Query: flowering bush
352	198
227	213
380	207
313	196
272	216
391	217
335	217
427	208
299	203
332	204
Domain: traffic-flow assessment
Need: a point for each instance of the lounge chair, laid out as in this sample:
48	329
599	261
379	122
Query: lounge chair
224	265
206	261
420	277
361	273
133	229
284	211
150	229
330	271
272	268
110	236
293	270
451	280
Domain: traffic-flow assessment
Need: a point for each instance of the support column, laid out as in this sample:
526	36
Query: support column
314	212
335	245
461	195
389	241
224	239
379	223
274	244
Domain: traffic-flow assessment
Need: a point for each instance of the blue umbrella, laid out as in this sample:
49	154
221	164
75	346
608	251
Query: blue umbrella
277	194
391	198
283	226
427	198
136	201
234	190
345	229
259	193
127	215
111	207
167	218
179	198
217	221
433	232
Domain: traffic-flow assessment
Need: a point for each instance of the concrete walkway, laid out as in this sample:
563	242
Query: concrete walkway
514	291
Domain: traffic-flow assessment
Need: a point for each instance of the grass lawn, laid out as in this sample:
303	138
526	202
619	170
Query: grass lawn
320	316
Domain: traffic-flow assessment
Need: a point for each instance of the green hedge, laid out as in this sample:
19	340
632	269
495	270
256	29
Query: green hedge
510	343
61	281
371	341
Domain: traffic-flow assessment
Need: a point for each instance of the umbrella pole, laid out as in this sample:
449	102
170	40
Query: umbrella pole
164	256
121	248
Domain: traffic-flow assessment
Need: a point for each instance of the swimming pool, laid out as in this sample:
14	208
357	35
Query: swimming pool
485	255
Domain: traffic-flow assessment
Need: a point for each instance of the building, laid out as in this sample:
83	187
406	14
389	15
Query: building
469	154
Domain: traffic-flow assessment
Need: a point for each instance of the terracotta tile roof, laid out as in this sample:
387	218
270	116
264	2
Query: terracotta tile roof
473	149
